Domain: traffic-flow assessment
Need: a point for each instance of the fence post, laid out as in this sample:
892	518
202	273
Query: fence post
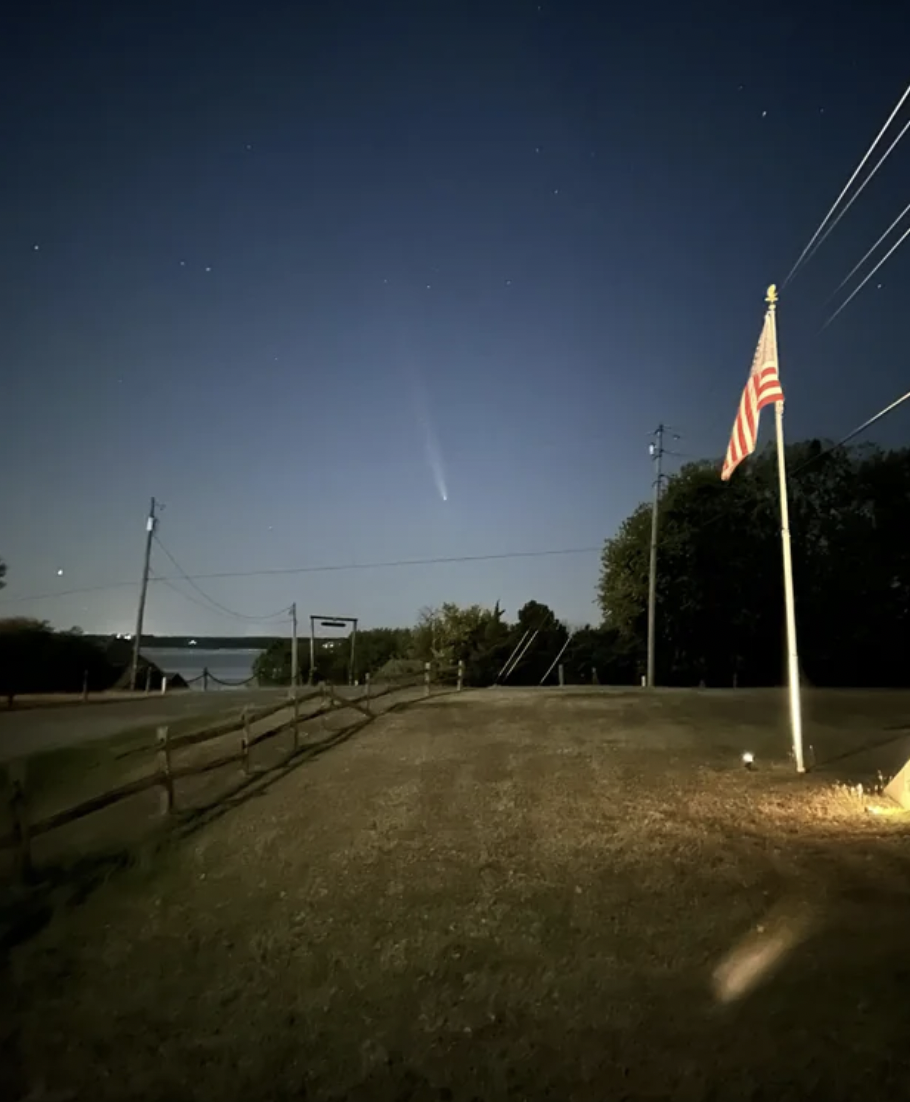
366	686
460	674
296	720
205	679
562	675
85	685
164	771
426	679
148	679
19	813
245	742
163	685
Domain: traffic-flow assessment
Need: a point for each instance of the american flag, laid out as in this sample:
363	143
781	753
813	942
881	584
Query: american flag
762	389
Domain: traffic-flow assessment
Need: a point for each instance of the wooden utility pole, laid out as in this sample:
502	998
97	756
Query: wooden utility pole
657	451
294	665
143	590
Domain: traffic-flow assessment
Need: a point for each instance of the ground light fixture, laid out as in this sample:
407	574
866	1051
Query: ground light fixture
749	759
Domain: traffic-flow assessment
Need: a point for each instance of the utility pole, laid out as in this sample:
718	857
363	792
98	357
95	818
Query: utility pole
140	616
657	452
294	670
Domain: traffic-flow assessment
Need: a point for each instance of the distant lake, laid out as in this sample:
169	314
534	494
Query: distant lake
189	662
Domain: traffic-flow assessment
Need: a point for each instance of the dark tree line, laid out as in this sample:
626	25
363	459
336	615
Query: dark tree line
720	612
482	638
36	659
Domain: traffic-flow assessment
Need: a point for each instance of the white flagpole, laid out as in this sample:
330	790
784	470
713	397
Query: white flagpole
796	716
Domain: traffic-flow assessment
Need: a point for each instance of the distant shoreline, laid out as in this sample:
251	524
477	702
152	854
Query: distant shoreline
198	642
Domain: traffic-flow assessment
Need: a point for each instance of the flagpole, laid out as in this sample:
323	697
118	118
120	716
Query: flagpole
796	717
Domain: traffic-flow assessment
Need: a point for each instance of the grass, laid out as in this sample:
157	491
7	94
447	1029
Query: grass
62	777
506	894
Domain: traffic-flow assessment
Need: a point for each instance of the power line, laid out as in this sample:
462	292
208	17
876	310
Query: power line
850	435
328	568
211	600
859	190
847	186
188	596
395	563
857	290
70	592
860	263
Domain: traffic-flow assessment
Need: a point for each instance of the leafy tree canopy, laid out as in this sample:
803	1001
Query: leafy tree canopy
719	581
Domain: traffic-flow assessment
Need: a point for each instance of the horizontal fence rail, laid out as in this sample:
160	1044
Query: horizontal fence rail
281	717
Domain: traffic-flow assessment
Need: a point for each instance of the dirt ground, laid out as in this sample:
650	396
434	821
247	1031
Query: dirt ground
571	895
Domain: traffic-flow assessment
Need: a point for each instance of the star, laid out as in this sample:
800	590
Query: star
508	283
537	149
763	114
182	263
36	247
249	147
556	191
208	269
429	285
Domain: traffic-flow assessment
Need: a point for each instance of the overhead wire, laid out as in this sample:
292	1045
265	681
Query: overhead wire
859	190
187	596
395	563
211	600
802	256
325	568
861	262
857	290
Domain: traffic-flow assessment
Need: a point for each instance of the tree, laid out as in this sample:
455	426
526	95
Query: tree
544	640
719	582
36	659
374	648
475	635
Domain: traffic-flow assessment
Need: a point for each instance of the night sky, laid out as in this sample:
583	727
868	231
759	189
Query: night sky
300	270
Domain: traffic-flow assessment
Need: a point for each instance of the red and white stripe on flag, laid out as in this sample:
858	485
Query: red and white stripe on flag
762	389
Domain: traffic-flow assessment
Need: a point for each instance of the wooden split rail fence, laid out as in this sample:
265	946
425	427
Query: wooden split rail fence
168	772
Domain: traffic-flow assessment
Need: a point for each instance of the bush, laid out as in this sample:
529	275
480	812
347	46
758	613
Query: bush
36	659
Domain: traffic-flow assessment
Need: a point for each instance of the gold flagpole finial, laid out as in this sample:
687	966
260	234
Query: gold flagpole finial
771	296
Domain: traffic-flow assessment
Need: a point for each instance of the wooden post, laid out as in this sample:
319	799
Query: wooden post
85	684
426	679
19	814
205	679
148	679
460	674
296	720
164	771
562	675
245	742
366	686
